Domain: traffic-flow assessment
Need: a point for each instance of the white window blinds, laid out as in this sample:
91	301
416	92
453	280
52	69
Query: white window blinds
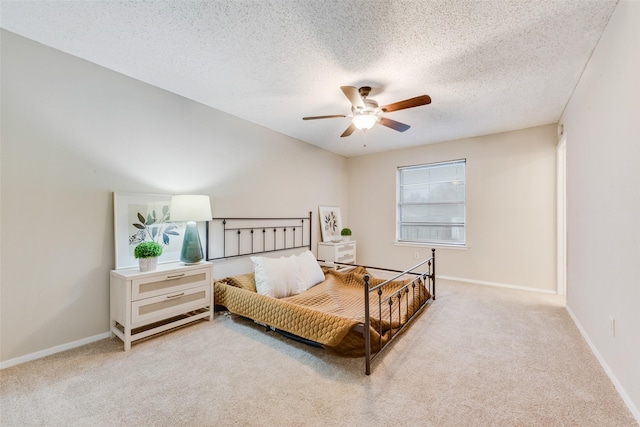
431	203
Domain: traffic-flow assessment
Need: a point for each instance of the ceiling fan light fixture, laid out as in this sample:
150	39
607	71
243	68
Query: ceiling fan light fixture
364	121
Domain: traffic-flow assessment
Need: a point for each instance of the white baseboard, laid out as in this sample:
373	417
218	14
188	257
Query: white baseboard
49	351
625	397
498	285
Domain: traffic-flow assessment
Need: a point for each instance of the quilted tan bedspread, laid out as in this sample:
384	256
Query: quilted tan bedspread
328	313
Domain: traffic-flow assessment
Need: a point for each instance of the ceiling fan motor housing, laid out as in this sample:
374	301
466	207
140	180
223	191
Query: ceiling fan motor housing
370	107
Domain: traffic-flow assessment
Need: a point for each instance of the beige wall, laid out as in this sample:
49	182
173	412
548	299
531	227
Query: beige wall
72	133
602	124
510	208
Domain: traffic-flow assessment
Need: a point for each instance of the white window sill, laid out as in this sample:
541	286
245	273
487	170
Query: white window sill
433	245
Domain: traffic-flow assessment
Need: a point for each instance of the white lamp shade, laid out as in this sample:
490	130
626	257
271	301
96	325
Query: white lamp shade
190	208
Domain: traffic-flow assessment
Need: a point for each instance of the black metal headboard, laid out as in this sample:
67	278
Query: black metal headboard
237	237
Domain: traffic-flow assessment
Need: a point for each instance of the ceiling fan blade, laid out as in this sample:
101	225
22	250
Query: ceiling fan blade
348	131
400	127
353	95
407	103
324	117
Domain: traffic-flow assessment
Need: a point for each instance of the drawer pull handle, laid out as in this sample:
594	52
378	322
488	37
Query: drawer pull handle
175	296
175	276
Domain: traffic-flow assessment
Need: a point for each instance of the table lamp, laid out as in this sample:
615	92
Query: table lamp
190	208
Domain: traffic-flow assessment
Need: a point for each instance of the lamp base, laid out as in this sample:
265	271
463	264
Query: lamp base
191	247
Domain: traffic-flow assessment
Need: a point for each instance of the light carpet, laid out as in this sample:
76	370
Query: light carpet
478	356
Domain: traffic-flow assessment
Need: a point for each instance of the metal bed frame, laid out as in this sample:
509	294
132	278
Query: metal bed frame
264	235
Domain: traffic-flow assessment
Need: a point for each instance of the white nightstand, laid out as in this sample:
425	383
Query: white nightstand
143	304
344	252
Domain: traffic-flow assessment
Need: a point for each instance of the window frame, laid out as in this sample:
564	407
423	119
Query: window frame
399	205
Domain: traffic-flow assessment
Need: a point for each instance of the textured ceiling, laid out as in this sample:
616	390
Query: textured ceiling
489	66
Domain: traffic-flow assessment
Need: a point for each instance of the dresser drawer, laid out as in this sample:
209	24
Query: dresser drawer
171	282
172	304
346	248
347	258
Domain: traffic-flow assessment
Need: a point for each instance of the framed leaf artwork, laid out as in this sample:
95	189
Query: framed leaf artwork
330	223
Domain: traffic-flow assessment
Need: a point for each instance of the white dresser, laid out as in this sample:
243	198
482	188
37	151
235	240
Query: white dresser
143	304
344	252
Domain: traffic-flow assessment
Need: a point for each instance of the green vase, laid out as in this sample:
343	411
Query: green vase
191	248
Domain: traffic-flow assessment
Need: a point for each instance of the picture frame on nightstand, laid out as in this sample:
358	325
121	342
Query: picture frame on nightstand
330	223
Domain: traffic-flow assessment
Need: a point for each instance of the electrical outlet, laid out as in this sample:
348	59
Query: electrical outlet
416	255
612	325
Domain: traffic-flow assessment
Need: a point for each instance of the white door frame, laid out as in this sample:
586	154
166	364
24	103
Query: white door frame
561	220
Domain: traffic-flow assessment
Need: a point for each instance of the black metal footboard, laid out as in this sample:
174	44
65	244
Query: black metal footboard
413	289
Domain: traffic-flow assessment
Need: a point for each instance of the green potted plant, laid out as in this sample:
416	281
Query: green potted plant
346	234
147	254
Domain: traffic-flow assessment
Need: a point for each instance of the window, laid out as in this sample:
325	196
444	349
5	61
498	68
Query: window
431	203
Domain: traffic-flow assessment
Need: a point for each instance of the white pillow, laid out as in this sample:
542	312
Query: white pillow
276	277
308	272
